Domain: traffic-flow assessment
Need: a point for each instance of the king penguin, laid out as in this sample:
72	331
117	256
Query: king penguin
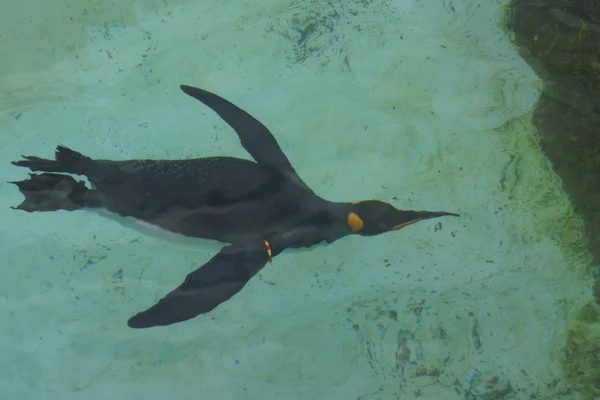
257	209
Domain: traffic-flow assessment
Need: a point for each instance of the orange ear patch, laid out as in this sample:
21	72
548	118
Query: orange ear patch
354	222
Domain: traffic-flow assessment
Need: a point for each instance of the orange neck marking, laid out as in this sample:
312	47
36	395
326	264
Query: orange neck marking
268	248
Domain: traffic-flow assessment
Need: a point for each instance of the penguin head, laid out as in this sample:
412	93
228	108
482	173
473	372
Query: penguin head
372	217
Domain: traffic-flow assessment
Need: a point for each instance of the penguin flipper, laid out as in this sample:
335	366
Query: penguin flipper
254	136
205	288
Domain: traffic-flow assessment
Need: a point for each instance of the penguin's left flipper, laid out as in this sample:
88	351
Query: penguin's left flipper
205	288
254	136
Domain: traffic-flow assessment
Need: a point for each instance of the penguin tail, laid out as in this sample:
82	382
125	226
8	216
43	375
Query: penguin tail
51	192
66	160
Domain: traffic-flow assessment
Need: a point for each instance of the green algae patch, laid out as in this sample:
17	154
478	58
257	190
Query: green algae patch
582	351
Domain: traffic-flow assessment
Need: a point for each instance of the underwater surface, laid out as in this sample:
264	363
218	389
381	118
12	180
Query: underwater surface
425	105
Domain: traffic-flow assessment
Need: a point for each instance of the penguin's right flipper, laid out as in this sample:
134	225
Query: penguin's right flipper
205	288
254	136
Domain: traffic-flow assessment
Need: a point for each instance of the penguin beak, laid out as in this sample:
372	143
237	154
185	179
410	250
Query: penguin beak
402	225
416	216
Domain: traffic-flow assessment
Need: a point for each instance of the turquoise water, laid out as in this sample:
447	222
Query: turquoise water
424	105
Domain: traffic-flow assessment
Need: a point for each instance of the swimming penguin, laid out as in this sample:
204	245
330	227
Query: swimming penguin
258	208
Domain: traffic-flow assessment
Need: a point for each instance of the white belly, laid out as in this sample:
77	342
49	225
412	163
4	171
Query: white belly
157	232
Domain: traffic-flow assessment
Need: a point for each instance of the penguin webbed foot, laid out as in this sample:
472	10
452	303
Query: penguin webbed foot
50	192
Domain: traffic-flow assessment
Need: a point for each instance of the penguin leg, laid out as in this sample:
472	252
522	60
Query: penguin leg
66	160
51	192
207	287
